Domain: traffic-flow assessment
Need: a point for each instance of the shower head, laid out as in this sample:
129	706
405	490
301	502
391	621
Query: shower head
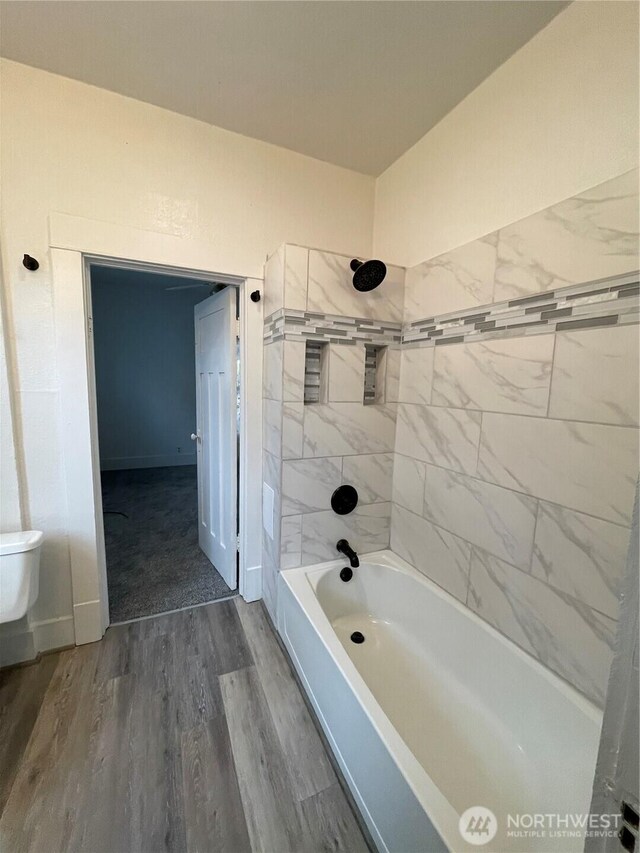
367	275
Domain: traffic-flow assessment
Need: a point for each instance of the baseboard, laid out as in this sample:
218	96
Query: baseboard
123	463
53	634
17	648
33	639
87	618
252	586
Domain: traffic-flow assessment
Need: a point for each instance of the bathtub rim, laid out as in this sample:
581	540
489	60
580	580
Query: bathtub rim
441	812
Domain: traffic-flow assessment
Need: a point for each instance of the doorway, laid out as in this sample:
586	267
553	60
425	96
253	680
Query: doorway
166	363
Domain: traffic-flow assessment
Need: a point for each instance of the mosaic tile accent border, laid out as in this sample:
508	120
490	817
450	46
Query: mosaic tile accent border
330	328
607	302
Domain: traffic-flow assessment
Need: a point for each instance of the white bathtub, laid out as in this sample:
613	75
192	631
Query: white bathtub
435	712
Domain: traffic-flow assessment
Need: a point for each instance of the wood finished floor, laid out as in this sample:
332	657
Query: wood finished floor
182	732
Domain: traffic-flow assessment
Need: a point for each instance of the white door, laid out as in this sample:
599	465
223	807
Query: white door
216	434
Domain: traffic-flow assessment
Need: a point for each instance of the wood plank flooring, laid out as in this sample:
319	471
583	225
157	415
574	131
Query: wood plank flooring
186	732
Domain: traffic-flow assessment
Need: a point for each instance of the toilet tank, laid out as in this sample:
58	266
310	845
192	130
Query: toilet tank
19	572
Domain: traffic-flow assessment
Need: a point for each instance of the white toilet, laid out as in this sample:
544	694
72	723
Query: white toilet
19	572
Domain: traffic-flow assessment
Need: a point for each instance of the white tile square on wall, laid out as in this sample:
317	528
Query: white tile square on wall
499	520
580	555
408	483
371	475
272	371
445	437
268	547
272	426
269	585
596	375
292	427
393	285
511	375
291	542
587	467
296	260
570	638
436	553
589	237
274	283
331	290
416	375
307	484
293	371
344	429
454	281
271	475
346	373
390	357
366	528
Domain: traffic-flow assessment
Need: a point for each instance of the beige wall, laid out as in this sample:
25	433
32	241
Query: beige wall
72	148
559	117
10	510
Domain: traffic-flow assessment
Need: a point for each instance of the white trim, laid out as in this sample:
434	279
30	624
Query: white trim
18	647
36	637
87	617
79	457
75	242
252	583
53	633
250	520
115	243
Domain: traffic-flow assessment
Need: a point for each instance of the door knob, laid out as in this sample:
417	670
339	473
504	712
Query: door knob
195	437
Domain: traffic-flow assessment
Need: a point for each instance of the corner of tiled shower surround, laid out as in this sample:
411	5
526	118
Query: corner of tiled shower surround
311	448
502	456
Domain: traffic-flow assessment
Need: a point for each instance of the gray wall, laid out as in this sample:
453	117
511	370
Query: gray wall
145	368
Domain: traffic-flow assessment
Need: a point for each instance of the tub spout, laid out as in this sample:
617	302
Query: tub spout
343	546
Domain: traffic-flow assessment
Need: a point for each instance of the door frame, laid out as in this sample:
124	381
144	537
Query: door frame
74	244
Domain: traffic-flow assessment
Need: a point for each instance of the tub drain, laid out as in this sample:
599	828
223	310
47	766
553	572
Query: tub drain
357	637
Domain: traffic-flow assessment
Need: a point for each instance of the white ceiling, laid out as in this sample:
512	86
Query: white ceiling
354	83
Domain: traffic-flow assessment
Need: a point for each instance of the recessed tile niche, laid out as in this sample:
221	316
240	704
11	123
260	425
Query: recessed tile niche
315	370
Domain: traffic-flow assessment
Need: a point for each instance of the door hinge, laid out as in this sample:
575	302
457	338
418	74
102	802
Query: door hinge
237	543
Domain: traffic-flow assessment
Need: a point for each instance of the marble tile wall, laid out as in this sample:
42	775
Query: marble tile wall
501	457
312	448
604	302
517	445
583	239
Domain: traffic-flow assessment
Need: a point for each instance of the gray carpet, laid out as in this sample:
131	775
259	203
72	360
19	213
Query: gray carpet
154	563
